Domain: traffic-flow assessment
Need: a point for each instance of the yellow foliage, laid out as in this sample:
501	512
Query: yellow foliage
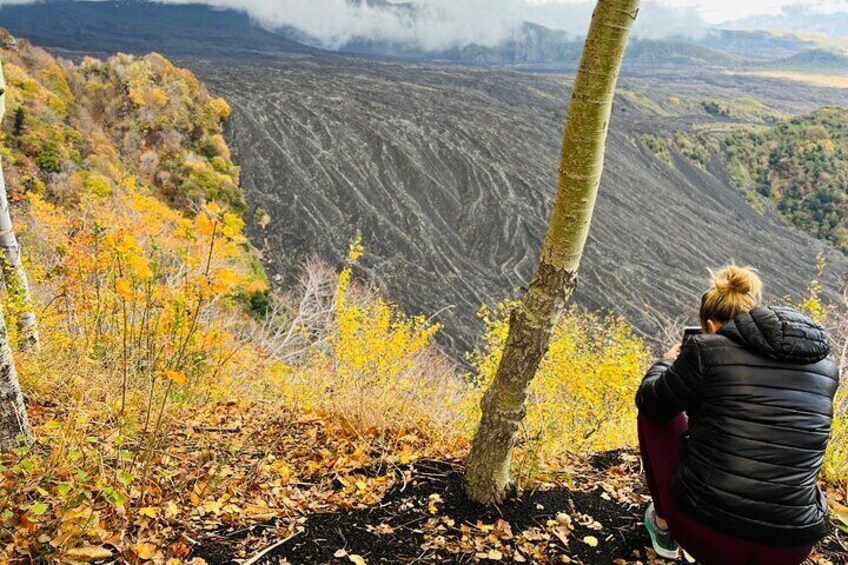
176	377
378	369
581	400
811	303
372	341
159	98
136	96
221	108
123	288
836	460
143	329
99	185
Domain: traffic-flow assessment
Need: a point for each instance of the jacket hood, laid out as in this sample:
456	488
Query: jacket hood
781	333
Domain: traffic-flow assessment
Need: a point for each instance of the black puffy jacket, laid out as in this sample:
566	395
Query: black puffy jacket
759	396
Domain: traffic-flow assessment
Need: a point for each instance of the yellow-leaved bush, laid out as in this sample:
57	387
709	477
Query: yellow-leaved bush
139	304
835	319
581	399
378	368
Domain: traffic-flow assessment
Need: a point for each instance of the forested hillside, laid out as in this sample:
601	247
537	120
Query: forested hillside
127	205
801	165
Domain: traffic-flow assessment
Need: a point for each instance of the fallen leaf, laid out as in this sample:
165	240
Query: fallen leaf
89	553
840	515
145	550
564	519
561	533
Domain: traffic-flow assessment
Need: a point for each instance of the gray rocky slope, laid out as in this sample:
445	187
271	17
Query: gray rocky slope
448	173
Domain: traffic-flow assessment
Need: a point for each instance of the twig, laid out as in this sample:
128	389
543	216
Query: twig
270	548
220	429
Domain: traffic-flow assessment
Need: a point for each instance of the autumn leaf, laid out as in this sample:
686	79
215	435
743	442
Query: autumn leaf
203	224
225	279
38	508
140	267
148	511
840	515
213	208
88	553
258	285
232	226
145	550
124	289
176	377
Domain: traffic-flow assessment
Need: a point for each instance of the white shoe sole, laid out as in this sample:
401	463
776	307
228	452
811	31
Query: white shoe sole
661	551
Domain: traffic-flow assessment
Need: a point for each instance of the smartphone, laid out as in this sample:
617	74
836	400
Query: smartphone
690	331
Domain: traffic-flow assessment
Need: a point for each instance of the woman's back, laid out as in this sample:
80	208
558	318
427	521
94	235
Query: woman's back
759	427
737	482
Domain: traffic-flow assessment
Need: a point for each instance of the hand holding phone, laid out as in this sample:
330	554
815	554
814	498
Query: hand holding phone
689	332
673	353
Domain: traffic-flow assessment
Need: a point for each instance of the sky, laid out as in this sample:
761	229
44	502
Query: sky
444	24
719	11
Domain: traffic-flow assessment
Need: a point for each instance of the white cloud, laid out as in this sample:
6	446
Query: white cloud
717	11
443	24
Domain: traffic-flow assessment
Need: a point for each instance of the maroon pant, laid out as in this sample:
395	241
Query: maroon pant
663	449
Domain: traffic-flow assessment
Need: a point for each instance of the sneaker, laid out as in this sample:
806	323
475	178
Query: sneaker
663	543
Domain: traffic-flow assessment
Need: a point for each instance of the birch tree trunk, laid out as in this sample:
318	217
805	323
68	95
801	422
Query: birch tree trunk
14	424
10	260
532	322
14	275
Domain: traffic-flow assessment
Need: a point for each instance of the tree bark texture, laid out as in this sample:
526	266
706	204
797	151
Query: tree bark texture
14	275
533	321
14	424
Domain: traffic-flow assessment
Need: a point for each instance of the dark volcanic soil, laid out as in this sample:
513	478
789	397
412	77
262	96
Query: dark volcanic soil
406	510
448	173
395	531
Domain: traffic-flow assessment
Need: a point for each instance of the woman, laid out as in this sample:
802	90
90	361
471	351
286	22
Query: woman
736	481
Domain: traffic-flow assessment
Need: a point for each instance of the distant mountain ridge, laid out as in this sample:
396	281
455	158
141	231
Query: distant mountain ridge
137	26
796	19
815	59
194	30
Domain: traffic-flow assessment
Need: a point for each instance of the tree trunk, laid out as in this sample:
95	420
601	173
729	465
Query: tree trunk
14	275
10	261
14	424
532	322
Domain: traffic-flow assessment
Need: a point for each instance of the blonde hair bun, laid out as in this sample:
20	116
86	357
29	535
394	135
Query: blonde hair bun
738	280
733	290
